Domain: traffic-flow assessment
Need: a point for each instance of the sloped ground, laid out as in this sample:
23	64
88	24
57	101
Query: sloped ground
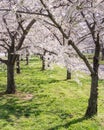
46	101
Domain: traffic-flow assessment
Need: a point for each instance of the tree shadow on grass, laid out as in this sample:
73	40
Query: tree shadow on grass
67	125
13	107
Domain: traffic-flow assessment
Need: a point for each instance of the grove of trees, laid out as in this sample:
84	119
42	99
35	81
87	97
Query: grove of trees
63	29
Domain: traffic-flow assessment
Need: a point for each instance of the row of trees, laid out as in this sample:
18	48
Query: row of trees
72	26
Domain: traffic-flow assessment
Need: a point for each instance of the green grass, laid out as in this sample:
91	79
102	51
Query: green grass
46	101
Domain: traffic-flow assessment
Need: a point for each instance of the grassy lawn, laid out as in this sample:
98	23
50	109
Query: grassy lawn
46	101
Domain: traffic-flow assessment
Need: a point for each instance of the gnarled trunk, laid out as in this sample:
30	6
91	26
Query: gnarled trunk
92	104
11	88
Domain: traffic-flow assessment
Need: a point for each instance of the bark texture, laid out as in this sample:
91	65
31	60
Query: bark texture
93	100
92	103
11	88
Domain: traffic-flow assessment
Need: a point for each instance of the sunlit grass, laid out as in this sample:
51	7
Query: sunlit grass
47	101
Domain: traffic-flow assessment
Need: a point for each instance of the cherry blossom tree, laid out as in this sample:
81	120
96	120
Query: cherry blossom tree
13	33
87	13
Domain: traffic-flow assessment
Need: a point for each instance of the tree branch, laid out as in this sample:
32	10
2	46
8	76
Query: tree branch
81	56
24	12
26	31
53	19
2	45
54	35
4	40
46	50
10	34
91	29
18	16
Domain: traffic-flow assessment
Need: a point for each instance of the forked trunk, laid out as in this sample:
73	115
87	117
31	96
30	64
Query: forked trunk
92	104
11	88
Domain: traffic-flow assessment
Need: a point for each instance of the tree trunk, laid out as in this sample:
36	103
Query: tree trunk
18	64
92	104
21	57
68	74
102	53
11	88
43	63
27	59
27	56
